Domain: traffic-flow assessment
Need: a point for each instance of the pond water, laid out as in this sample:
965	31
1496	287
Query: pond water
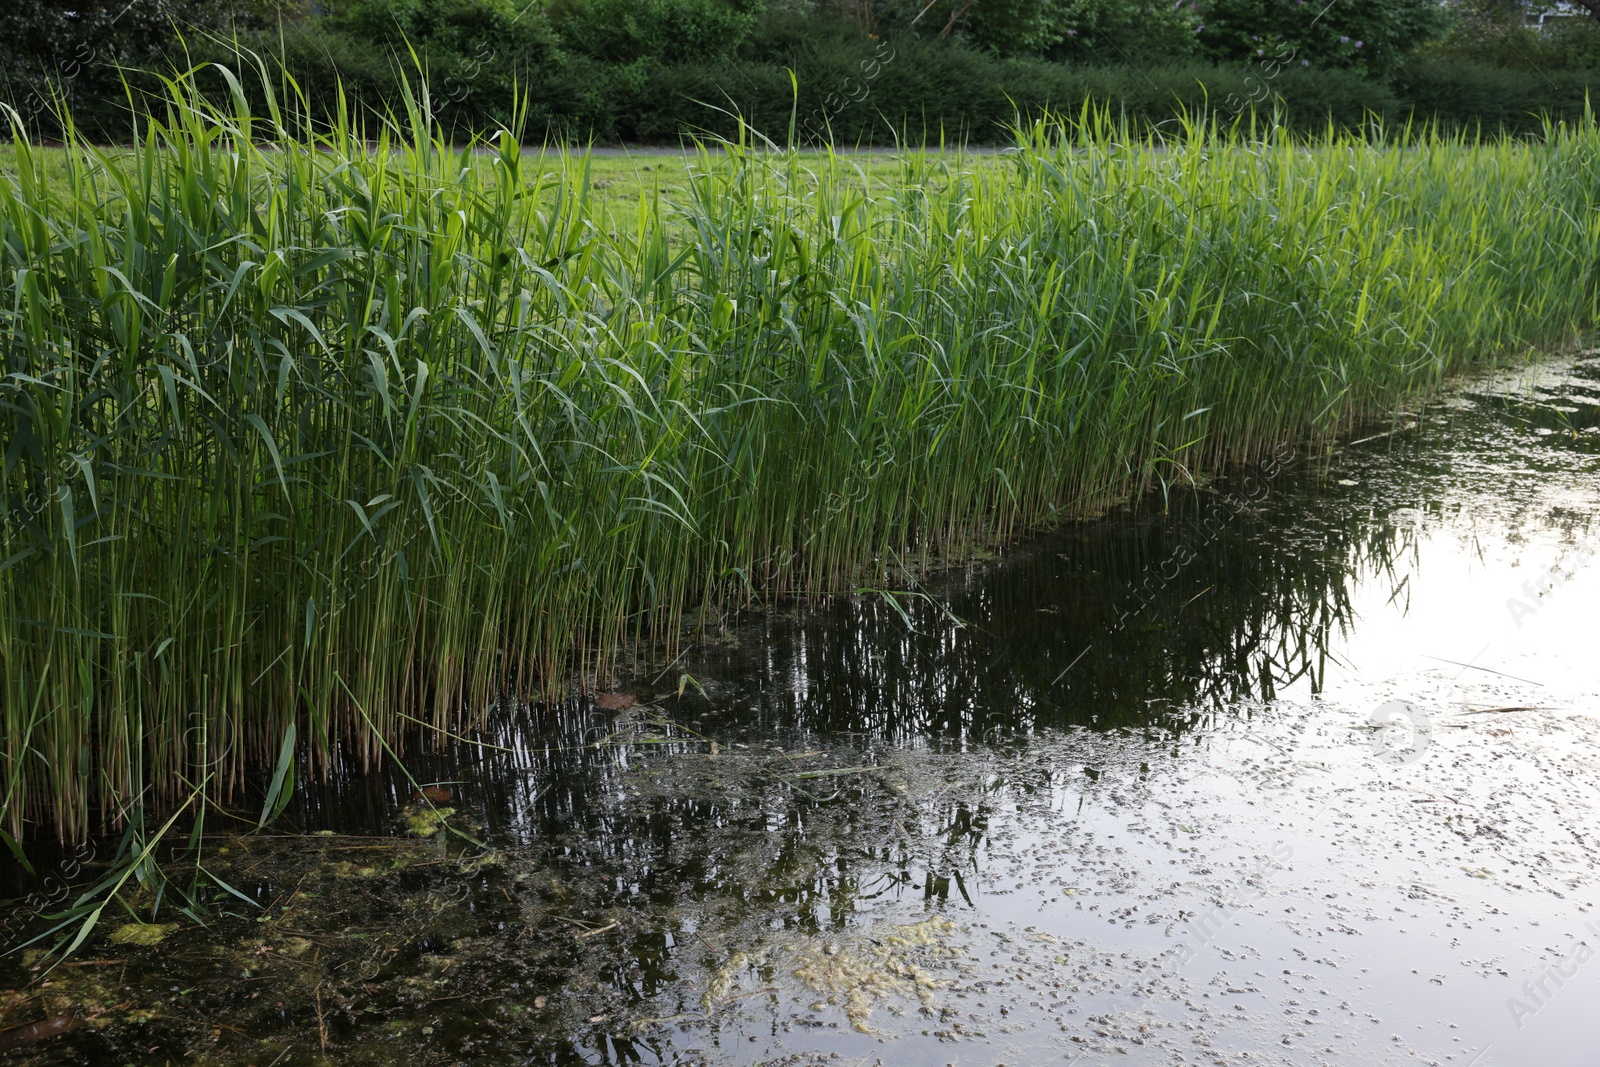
1302	768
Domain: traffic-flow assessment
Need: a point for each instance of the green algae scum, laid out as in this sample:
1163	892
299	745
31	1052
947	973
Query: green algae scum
320	445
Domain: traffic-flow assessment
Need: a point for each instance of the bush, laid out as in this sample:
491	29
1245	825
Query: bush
925	93
1315	98
1122	32
1572	44
1497	38
1473	96
483	64
73	51
477	57
1372	36
501	37
625	31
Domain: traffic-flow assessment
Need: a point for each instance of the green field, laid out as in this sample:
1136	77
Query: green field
615	178
335	441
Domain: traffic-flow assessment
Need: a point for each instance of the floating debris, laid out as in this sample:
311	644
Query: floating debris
33	1033
875	966
425	822
137	933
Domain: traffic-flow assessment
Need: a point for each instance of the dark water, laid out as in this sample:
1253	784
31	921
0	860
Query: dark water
1300	768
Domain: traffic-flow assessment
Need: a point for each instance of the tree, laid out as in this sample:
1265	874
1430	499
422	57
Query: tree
1082	30
1014	27
50	33
1370	36
1126	31
1591	6
1500	33
685	31
80	49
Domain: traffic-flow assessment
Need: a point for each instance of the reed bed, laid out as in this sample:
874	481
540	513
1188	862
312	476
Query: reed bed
358	433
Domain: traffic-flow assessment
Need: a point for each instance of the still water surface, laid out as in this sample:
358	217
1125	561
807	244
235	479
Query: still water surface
1303	768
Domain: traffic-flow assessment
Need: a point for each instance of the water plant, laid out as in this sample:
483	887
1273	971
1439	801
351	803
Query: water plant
336	436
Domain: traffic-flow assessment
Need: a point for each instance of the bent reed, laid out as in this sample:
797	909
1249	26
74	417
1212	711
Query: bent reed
361	435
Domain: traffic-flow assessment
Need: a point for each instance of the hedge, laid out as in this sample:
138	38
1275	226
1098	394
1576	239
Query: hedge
857	92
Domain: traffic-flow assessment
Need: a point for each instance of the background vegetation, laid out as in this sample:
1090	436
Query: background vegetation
873	71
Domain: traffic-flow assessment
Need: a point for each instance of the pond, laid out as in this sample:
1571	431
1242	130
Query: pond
1302	767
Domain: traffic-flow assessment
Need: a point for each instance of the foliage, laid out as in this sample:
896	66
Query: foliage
874	72
52	31
624	31
1093	30
1495	33
516	37
1469	96
365	432
1108	31
885	17
1365	35
1372	36
1014	27
488	63
78	51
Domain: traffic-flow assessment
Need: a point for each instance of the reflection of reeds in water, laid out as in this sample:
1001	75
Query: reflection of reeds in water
1198	604
1099	624
354	433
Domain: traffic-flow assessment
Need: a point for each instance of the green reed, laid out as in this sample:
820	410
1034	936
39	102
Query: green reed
353	434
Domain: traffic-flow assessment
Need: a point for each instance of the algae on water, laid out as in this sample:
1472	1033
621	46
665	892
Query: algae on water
425	822
137	933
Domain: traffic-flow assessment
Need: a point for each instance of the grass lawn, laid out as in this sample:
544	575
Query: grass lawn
618	178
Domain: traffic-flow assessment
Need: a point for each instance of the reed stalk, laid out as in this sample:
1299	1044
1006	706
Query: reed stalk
345	431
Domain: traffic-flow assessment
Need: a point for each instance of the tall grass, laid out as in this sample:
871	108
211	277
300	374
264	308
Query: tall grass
354	434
